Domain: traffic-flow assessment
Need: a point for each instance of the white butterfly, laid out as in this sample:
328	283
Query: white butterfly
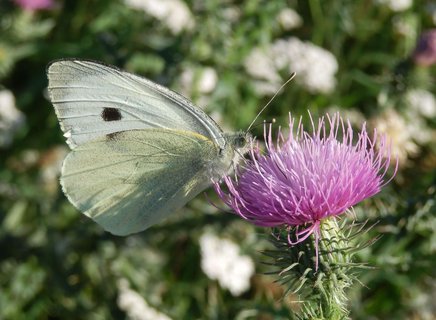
139	150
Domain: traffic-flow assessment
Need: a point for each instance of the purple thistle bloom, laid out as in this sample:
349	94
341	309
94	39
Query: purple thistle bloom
32	5
425	51
305	178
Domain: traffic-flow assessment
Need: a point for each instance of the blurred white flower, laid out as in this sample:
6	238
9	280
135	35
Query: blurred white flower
11	119
198	80
404	26
289	19
265	88
50	163
135	305
259	64
29	158
422	101
402	134
231	13
208	80
421	301
396	5
186	82
221	261
315	66
174	13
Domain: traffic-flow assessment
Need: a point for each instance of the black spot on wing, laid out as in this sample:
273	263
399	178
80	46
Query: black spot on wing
111	114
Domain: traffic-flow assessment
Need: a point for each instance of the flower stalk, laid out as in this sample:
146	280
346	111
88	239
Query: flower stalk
322	292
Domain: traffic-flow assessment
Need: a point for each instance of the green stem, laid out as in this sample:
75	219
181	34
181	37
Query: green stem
322	291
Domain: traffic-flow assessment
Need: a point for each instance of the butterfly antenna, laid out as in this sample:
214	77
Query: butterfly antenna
272	121
270	100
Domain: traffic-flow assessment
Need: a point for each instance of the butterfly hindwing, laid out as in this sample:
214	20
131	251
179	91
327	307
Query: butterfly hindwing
130	180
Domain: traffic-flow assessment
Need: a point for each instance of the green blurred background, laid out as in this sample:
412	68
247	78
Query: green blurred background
229	57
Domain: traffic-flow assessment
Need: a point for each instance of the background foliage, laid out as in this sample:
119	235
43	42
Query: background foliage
55	263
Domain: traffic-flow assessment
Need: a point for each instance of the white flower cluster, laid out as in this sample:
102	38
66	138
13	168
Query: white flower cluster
173	13
135	306
203	80
221	261
289	19
198	83
396	5
405	135
404	26
11	119
422	102
315	67
399	132
50	163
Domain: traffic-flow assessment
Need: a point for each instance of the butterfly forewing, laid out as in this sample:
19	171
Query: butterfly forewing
92	99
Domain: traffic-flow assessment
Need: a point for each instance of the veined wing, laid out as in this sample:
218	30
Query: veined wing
131	180
92	99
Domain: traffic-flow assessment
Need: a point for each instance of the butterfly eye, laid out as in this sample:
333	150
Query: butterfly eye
240	141
237	140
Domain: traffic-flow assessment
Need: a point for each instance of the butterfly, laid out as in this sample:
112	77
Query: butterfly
139	151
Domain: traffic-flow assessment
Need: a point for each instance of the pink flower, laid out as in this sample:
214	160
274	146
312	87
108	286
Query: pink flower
35	4
425	52
305	178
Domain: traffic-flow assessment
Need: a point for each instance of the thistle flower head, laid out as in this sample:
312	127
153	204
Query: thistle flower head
425	51
306	177
35	4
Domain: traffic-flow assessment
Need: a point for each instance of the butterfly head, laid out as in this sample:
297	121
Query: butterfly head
239	141
238	144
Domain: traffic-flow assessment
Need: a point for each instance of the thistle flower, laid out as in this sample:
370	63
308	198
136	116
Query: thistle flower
305	178
425	51
35	4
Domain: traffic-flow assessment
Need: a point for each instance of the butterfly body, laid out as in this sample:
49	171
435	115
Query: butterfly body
139	150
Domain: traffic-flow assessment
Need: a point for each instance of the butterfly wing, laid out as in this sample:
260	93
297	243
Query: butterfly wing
131	180
92	100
